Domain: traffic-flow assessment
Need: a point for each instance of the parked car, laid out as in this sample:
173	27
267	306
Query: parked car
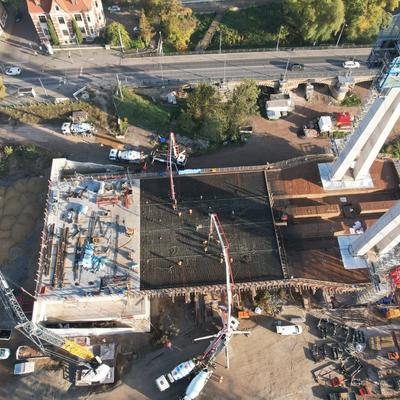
4	353
296	67
13	71
351	64
114	8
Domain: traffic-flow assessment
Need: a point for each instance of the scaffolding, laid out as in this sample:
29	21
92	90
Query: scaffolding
387	45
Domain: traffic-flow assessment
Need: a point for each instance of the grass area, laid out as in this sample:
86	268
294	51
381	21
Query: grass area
339	134
48	113
250	28
392	149
351	100
204	21
143	112
25	157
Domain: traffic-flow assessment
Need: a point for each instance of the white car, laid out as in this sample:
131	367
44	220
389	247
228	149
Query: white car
351	64
114	8
4	353
13	71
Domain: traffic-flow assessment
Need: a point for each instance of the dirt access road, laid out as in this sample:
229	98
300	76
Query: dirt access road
263	366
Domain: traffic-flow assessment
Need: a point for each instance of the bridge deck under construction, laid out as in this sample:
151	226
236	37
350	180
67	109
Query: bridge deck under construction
317	217
173	253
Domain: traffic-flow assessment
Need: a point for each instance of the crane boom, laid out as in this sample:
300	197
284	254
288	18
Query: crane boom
40	335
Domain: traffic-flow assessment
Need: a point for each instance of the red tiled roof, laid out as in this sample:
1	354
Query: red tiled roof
44	6
39	6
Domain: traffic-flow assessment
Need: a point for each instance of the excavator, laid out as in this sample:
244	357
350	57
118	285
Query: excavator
49	342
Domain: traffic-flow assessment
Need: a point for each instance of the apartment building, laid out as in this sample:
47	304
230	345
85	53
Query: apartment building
88	14
3	18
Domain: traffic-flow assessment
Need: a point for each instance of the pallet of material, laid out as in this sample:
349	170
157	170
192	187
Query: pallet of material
387	342
320	211
369	207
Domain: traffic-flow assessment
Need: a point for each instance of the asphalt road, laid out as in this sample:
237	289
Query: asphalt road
101	67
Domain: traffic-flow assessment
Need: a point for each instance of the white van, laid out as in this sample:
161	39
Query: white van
289	329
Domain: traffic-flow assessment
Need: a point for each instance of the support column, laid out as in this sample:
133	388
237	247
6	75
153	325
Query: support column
373	146
379	113
384	234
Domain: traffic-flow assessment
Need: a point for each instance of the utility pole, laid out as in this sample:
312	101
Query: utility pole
160	45
224	79
341	33
120	41
161	52
119	87
41	83
79	47
279	38
162	74
287	66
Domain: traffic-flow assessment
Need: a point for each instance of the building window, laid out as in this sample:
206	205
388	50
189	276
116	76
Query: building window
78	17
88	18
83	30
42	19
46	31
57	8
97	4
61	20
65	32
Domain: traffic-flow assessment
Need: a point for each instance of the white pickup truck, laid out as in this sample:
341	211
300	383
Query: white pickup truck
127	156
82	128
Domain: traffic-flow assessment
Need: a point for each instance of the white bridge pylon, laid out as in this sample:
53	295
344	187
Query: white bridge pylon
365	143
351	168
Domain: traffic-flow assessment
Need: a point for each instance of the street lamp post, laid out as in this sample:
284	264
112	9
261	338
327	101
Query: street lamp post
341	33
220	41
287	66
279	38
120	41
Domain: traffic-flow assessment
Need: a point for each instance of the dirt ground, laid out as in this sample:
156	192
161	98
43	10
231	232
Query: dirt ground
263	365
274	141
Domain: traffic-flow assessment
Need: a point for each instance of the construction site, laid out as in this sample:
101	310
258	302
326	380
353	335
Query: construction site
321	231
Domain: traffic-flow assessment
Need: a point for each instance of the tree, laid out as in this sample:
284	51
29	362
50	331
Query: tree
202	101
178	24
3	90
77	31
365	18
52	32
244	102
215	125
113	33
241	106
315	20
146	30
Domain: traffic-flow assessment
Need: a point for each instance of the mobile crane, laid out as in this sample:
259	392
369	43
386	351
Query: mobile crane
162	155
41	336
